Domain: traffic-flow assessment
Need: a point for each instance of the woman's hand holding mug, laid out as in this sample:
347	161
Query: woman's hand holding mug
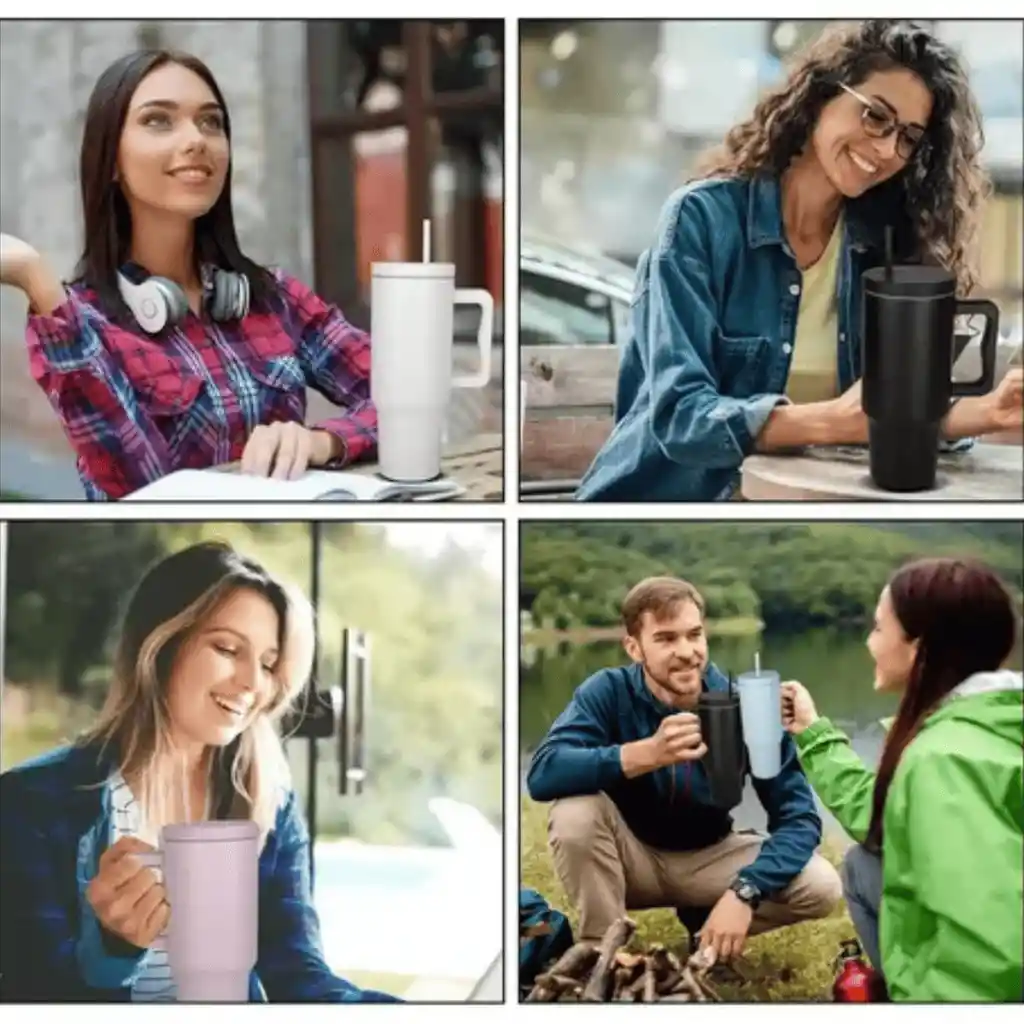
23	268
127	897
798	710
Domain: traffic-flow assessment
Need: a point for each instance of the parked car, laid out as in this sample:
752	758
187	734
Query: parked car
573	323
570	296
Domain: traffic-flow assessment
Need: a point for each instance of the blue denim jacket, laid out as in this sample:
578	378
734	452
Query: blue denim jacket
54	826
713	322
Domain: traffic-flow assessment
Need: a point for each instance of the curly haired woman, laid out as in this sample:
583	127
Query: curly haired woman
746	333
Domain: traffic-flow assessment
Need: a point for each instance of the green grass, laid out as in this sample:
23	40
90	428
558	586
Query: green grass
792	964
11	496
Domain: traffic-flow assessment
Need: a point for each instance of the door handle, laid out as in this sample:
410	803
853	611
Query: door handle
355	699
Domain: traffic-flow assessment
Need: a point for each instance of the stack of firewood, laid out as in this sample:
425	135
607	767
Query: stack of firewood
608	973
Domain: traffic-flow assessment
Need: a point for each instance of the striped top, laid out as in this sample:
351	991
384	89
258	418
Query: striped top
154	983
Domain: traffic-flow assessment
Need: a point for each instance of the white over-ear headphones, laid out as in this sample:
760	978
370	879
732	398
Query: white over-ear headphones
156	302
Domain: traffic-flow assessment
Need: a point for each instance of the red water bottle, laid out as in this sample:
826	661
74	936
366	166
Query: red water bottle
856	979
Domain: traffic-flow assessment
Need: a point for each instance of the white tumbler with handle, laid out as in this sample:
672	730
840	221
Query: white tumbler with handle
412	320
761	714
211	875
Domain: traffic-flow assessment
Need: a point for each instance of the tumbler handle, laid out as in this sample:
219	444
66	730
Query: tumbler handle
154	859
484	336
989	341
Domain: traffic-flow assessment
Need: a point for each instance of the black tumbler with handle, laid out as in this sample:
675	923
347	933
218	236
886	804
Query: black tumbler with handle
726	759
907	366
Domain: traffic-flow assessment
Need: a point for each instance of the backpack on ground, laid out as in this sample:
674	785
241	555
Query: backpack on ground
544	935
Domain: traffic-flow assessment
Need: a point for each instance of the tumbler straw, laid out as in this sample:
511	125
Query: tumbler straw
426	239
757	663
888	252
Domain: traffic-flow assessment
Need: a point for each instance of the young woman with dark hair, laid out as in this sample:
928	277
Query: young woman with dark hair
934	882
746	331
172	349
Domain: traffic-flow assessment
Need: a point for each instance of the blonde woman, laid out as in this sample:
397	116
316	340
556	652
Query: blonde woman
212	651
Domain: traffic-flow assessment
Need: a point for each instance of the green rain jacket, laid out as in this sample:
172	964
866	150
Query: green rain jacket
952	855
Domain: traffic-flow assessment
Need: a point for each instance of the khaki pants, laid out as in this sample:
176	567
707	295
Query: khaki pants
606	871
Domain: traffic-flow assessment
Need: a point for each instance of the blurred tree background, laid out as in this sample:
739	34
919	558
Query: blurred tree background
433	614
790	576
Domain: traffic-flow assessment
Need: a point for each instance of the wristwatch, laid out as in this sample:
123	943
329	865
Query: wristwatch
747	892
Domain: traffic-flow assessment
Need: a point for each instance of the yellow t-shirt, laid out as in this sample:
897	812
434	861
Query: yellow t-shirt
812	371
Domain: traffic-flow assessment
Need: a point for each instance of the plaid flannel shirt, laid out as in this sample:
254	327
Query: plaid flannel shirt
136	407
55	824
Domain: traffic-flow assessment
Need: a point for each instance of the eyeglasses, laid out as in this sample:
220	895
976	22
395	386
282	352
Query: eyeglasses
880	123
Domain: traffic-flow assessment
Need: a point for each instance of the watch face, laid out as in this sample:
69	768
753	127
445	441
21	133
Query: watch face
745	891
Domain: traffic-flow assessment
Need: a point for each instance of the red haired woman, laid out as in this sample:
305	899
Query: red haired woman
934	882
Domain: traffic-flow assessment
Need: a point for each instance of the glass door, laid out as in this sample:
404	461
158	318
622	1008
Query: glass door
398	758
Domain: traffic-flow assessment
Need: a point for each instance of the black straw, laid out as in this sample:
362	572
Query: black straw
888	252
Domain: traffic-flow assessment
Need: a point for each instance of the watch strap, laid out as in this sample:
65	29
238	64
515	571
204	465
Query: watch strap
746	891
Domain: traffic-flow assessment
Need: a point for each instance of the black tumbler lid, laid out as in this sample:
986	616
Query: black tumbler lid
711	697
910	281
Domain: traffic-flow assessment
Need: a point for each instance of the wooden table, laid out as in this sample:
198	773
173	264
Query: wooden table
989	472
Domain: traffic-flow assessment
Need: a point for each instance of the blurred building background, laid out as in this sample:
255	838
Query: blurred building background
616	113
346	135
614	117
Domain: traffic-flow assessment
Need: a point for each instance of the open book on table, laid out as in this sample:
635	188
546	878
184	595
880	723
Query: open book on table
222	484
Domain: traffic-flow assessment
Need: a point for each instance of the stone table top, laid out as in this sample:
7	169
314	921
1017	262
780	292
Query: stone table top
989	472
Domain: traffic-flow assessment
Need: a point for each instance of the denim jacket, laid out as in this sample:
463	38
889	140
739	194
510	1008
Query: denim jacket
714	315
55	824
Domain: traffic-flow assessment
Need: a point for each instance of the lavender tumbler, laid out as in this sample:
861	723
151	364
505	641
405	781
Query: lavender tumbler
211	873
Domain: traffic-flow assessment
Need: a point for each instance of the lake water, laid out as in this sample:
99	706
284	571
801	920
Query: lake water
834	666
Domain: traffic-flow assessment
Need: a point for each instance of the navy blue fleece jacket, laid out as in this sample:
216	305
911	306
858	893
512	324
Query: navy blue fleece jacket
671	808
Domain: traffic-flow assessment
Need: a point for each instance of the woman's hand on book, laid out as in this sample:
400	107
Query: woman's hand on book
284	451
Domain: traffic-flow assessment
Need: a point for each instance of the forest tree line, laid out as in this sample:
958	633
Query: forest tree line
791	576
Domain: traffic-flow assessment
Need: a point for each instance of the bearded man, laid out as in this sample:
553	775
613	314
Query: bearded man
632	823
